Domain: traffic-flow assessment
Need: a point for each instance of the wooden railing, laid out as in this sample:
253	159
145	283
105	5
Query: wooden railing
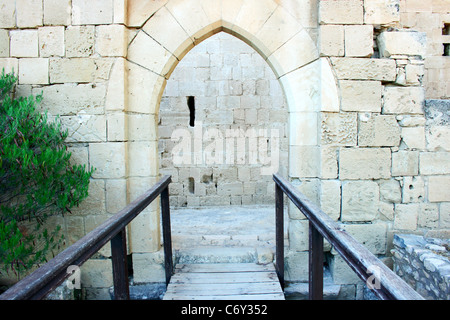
45	279
384	282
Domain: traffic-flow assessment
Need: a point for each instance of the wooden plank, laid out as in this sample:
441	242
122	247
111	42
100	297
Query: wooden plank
221	277
269	296
224	281
224	267
225	289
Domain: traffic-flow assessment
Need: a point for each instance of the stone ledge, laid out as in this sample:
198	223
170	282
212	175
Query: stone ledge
424	264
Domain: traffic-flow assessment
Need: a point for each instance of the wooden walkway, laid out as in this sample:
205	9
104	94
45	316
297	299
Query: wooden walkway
224	281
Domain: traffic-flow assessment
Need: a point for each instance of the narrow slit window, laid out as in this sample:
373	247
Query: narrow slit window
191	105
446	32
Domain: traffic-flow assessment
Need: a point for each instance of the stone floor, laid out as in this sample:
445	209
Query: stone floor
231	226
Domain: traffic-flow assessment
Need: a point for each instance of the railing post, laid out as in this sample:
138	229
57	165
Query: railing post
167	238
120	266
279	233
315	263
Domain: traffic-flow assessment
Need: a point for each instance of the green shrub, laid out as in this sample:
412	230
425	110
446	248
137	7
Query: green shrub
37	180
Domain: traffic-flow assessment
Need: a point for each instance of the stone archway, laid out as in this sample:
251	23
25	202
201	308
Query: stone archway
174	28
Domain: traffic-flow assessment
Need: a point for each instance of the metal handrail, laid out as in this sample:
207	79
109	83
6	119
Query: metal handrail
358	257
41	282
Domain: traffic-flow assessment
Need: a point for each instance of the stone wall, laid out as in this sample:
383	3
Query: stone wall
363	140
234	89
424	264
433	19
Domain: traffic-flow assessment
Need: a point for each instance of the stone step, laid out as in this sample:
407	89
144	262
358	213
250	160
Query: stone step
218	254
183	241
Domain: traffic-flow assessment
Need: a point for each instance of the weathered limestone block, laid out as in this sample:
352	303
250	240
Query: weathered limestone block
92	12
329	162
438	187
111	40
286	59
332	40
51	42
148	267
390	191
406	216
80	155
330	198
72	70
9	64
298	235
24	43
108	159
364	163
142	127
365	69
74	98
432	163
144	233
95	219
80	41
397	100
405	163
57	12
311	189
85	128
341	272
341	12
4	43
378	131
339	129
359	200
413	189
8	14
97	274
358	41
381	12
361	96
198	24
148	53
283	24
296	266
163	27
411	120
436	112
143	158
95	203
300	87
304	161
428	216
139	11
438	138
75	228
303	129
414	74
444	215
402	43
372	236
329	96
33	71
115	195
414	137
117	127
29	13
116	97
